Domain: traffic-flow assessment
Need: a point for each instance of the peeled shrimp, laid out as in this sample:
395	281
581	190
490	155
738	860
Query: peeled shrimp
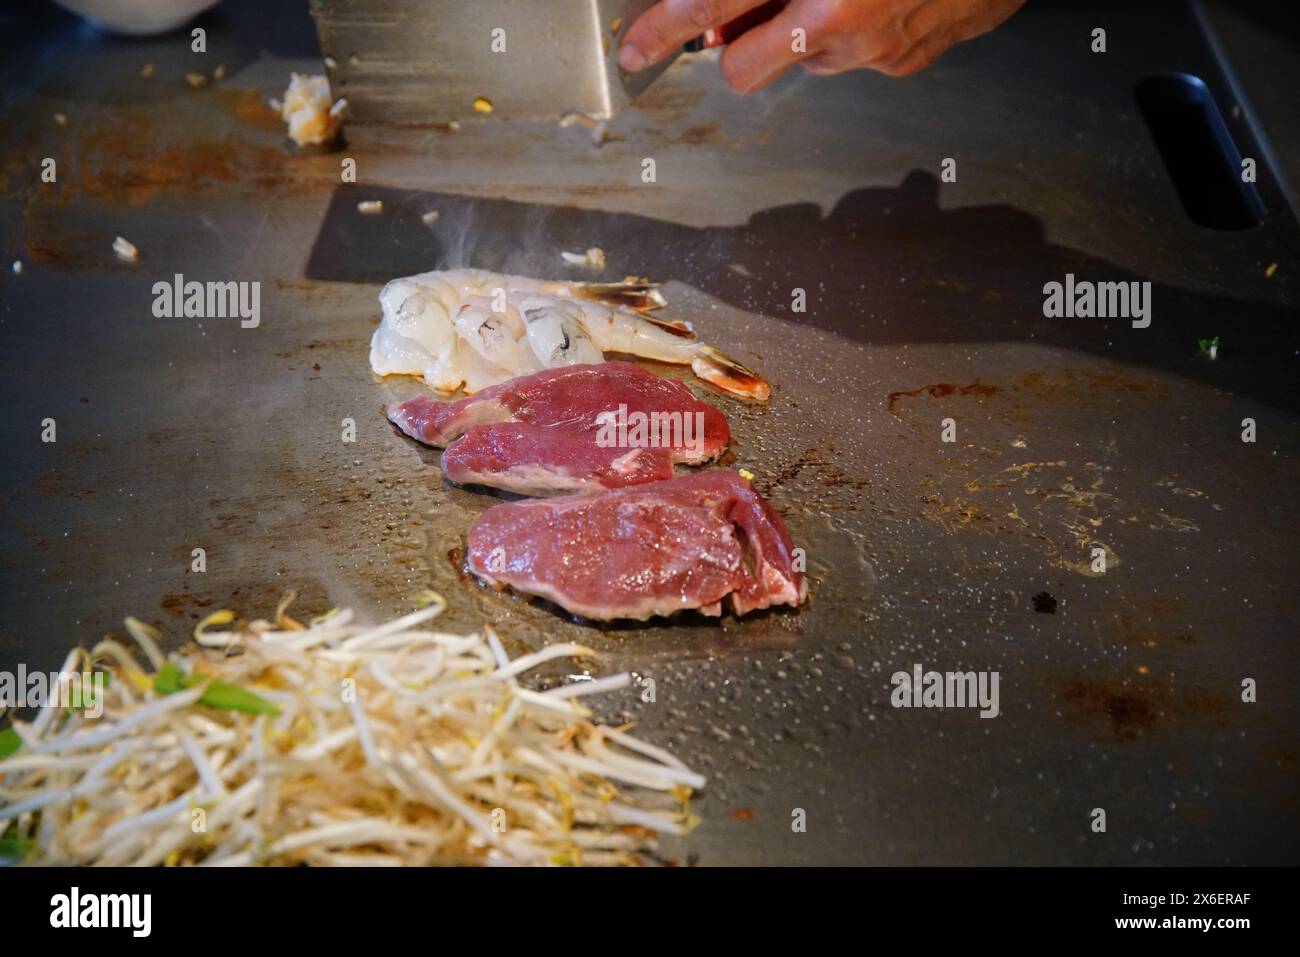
556	332
473	328
497	336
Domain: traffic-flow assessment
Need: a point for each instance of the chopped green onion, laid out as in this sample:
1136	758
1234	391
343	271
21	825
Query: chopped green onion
220	694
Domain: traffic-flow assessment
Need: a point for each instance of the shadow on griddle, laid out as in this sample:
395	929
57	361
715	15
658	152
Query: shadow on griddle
885	266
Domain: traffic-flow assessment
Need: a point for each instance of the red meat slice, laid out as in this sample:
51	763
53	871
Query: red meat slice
572	397
655	549
540	460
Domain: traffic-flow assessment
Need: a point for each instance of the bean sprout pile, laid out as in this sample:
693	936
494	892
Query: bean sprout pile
333	743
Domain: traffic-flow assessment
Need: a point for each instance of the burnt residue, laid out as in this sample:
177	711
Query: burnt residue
261	600
248	106
1167	621
184	603
941	390
669	102
460	565
129	157
1132	708
1129	713
1134	630
1045	603
695	135
1089	386
49	249
823	462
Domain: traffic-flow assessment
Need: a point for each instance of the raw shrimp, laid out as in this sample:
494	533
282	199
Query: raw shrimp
632	293
497	336
557	333
620	330
472	328
417	336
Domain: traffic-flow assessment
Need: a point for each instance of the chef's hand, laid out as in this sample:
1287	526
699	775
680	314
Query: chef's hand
896	37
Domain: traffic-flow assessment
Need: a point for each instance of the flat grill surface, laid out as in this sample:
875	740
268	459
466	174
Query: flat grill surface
924	303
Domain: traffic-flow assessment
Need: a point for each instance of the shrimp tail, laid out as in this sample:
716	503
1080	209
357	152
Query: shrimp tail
717	368
677	327
633	292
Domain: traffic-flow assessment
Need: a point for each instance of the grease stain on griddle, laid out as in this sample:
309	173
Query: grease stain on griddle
129	159
1045	603
1130	709
696	135
1024	399
941	390
1089	386
1130	714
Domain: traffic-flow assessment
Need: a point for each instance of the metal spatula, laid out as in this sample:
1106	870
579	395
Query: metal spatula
415	62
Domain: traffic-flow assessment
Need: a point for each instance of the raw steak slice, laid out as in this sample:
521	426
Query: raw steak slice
541	460
689	542
575	397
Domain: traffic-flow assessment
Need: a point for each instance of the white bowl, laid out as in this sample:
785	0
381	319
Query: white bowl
139	16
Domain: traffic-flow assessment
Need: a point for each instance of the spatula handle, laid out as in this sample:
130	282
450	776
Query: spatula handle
720	36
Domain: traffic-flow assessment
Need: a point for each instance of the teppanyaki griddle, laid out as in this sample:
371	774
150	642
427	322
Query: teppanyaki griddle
924	303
